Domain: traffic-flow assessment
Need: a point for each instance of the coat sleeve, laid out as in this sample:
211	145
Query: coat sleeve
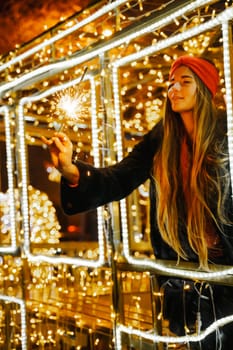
99	186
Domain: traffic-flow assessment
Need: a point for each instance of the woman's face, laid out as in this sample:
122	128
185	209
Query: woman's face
182	90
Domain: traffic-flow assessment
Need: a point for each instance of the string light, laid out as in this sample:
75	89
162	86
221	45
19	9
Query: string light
228	84
38	74
155	338
12	248
24	197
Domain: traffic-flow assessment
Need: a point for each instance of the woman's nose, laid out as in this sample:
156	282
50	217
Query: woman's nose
176	86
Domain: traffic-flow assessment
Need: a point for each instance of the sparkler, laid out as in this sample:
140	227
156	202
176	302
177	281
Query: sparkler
71	104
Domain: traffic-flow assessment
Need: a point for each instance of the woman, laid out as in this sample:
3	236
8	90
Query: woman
186	158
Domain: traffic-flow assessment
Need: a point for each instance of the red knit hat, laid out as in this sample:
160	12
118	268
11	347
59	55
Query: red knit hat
205	70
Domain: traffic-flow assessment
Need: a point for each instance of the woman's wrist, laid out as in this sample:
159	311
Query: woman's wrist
71	174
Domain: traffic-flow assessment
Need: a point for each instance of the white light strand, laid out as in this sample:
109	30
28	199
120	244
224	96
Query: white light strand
173	40
227	56
119	143
54	68
152	336
117	104
10	177
164	267
96	156
22	305
60	35
55	260
25	208
94	124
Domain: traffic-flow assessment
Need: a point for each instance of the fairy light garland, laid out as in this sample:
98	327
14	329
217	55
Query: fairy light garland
224	16
24	183
10	177
228	60
38	74
155	338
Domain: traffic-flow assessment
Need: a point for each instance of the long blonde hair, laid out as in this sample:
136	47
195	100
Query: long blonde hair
207	175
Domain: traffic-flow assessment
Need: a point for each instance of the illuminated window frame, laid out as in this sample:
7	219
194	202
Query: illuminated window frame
11	249
155	338
220	20
24	178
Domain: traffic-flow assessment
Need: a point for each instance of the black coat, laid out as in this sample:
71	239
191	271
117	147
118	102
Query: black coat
99	186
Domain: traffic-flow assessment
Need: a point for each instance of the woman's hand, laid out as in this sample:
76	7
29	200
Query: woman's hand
61	151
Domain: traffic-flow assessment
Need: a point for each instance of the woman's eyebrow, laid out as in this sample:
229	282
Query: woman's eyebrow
183	77
187	76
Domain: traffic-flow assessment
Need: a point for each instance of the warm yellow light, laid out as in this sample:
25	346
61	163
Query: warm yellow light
107	32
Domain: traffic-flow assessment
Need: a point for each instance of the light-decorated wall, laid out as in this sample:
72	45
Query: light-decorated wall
90	283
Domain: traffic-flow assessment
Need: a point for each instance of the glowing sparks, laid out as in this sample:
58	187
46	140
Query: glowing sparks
68	104
71	106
